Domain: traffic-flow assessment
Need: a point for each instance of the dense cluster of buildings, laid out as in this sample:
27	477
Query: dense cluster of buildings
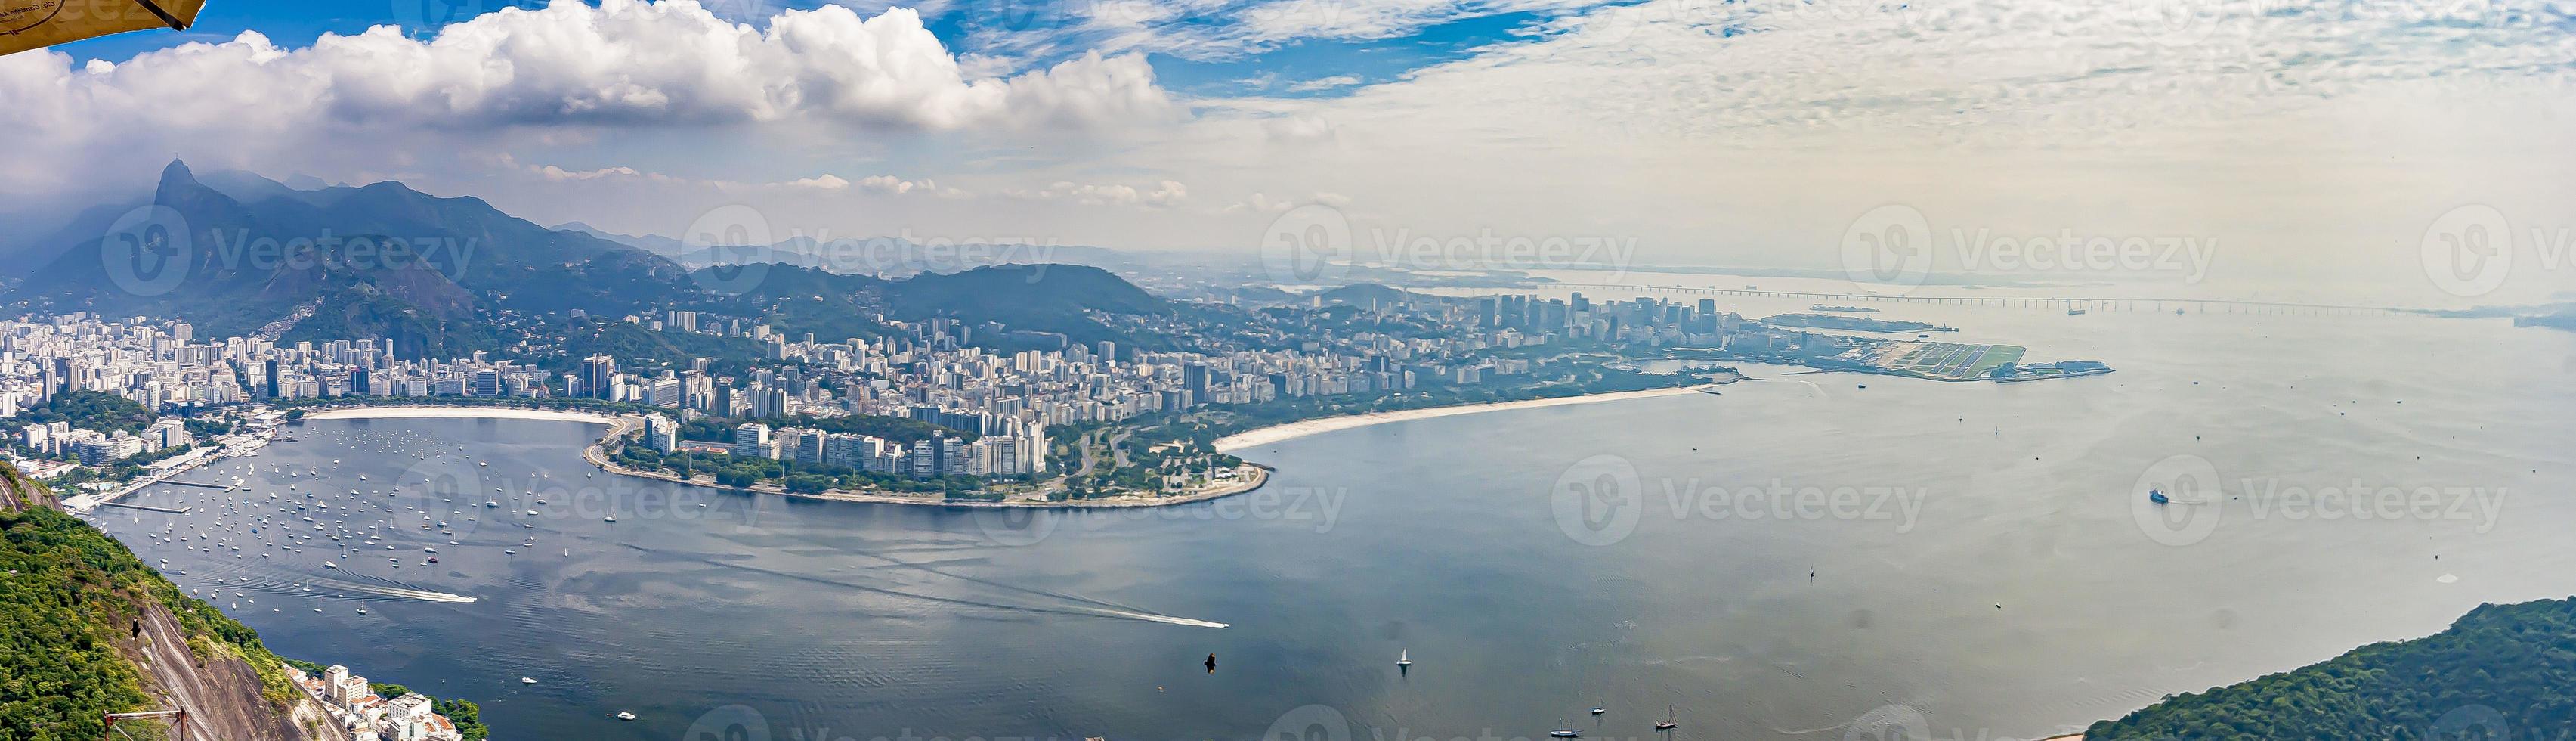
367	715
927	371
1019	450
92	447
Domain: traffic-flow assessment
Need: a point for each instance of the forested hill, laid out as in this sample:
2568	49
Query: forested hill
86	628
2499	672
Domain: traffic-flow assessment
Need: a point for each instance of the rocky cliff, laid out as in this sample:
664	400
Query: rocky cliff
87	629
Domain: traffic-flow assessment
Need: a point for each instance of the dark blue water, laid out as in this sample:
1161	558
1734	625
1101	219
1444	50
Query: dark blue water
1989	574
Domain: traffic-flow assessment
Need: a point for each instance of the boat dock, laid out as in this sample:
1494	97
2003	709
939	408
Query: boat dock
148	508
174	482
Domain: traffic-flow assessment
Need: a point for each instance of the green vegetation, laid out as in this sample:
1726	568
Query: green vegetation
1170	442
467	716
70	594
2498	672
640	350
119	471
89	410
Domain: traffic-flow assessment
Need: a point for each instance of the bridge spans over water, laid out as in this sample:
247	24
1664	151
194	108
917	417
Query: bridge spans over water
2060	303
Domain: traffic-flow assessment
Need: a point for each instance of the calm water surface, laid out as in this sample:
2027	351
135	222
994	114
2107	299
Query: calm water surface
1991	574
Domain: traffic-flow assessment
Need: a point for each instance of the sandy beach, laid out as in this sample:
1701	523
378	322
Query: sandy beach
1293	430
456	412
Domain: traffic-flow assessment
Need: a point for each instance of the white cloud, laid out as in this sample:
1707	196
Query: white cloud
823	182
568	70
1324	83
1159	195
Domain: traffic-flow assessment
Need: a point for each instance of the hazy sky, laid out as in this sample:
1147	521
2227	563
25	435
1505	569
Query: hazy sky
2238	144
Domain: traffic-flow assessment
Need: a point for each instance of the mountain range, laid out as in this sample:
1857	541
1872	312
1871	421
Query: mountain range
238	254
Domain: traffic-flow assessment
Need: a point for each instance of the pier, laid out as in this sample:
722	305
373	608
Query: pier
148	508
220	487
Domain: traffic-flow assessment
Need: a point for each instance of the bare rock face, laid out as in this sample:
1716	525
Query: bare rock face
222	694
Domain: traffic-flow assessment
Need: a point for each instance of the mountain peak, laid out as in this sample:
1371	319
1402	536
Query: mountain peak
176	174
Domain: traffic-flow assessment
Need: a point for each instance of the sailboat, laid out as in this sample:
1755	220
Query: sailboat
1403	658
1668	723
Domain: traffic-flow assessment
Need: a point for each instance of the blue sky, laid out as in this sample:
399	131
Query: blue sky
2315	139
1281	65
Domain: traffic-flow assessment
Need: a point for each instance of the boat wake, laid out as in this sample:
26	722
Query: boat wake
390	588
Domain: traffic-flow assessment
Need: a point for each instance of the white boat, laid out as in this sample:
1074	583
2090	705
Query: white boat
330	565
623	715
525	680
1403	658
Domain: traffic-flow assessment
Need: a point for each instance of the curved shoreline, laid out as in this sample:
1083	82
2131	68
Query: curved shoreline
597	456
1253	477
1302	428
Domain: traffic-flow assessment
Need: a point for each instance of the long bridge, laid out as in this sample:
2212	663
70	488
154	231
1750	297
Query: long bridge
2089	304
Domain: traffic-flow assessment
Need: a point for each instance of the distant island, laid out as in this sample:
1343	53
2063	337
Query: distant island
1843	309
